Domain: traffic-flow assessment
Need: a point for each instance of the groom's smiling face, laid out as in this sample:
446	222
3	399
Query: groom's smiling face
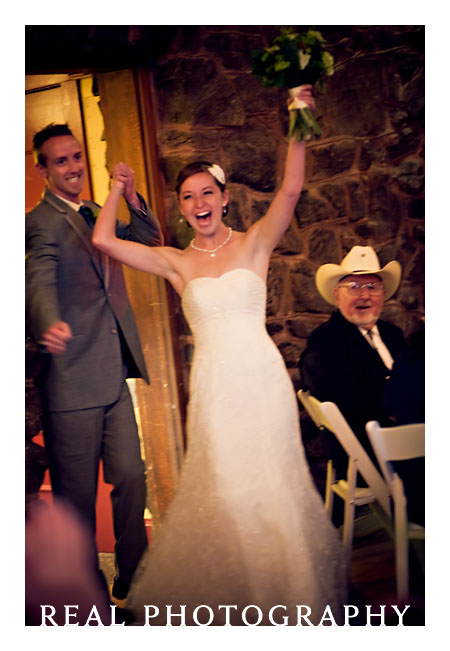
64	166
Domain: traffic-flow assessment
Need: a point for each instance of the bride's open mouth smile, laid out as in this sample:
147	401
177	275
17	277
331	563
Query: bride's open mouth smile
204	217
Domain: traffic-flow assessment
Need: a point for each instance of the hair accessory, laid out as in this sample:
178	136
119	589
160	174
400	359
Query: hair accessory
217	172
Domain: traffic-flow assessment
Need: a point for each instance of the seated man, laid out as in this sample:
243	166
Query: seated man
349	357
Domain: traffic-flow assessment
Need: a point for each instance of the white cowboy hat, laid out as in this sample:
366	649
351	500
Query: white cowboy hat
359	260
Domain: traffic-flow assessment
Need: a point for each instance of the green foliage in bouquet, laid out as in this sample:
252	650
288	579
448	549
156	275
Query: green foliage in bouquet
292	60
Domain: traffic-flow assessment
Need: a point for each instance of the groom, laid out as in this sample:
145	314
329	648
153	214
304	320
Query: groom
79	313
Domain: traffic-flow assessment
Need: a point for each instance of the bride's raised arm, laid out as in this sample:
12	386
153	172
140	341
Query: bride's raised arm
271	228
139	256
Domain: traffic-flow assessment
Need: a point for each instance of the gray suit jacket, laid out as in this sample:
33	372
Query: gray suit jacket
68	279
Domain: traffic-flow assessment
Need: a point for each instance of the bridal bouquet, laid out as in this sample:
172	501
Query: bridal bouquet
292	60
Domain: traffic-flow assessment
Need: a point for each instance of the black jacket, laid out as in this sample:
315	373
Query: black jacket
340	366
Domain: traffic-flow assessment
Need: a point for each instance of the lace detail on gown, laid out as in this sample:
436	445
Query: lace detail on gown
246	525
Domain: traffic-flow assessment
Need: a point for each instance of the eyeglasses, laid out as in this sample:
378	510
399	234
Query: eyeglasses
355	288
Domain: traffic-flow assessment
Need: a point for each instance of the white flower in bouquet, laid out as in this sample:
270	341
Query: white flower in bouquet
304	59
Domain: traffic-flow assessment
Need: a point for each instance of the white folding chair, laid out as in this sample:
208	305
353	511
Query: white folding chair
327	415
311	410
395	444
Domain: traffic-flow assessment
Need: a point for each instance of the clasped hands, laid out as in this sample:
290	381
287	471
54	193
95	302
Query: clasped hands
123	177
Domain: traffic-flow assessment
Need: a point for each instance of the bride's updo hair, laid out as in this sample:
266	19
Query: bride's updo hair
195	168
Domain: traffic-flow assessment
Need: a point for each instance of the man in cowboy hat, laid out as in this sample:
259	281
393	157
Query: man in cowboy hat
348	358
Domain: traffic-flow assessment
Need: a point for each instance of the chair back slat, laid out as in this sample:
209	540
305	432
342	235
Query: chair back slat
398	443
311	409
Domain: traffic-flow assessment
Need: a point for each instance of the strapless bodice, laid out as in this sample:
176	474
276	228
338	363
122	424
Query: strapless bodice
237	294
226	316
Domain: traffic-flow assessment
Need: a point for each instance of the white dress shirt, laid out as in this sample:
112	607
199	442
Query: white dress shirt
72	204
375	340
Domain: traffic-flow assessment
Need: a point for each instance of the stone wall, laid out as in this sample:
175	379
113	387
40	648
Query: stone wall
365	176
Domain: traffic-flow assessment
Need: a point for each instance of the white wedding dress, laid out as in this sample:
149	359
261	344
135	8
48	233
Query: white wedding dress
246	526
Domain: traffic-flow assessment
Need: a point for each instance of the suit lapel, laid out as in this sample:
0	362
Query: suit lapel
104	258
374	353
84	232
386	334
358	341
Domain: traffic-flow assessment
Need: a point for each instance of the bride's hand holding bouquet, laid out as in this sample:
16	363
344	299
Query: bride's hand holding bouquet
296	61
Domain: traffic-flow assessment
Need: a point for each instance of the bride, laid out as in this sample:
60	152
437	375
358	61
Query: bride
247	530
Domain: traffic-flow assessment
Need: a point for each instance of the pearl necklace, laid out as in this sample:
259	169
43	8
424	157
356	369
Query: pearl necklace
212	252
